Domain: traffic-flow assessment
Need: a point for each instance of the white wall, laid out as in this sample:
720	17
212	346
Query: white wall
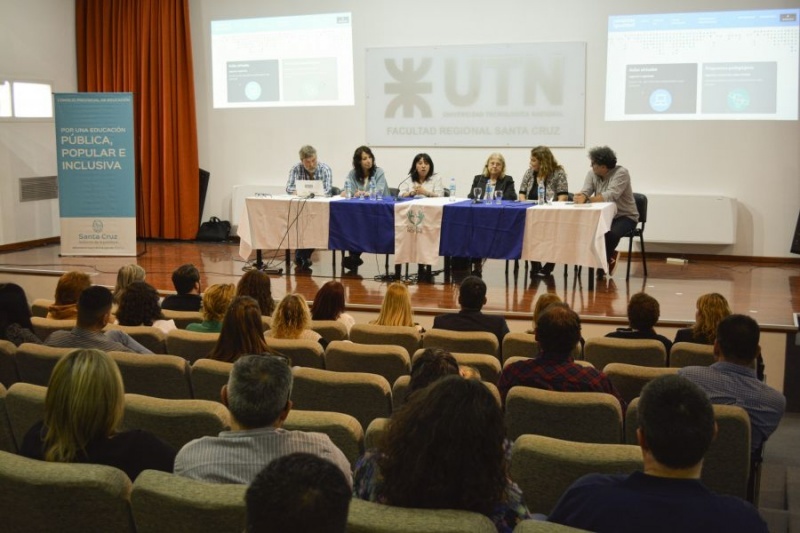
758	163
37	42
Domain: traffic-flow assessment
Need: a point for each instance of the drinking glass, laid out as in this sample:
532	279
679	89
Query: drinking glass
476	194
379	195
549	197
498	197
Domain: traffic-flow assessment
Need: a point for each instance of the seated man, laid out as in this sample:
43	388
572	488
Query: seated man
732	379
557	331
186	280
676	427
301	493
472	298
257	396
94	313
308	169
643	314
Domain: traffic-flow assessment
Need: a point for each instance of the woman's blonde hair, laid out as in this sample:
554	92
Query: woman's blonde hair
216	301
495	155
126	275
396	307
711	309
291	317
544	300
85	401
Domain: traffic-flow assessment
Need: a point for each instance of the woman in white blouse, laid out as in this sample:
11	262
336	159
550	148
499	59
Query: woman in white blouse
424	181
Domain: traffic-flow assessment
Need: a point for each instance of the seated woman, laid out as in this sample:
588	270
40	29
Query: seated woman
543	165
256	284
396	308
711	309
292	319
68	290
15	315
424	182
329	305
494	174
242	332
83	412
432	365
359	179
216	300
138	306
125	276
545	299
445	449
643	314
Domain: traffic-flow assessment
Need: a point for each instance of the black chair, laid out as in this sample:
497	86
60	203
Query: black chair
638	231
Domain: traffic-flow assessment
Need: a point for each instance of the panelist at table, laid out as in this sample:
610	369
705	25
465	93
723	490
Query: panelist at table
308	169
359	180
424	181
544	167
609	182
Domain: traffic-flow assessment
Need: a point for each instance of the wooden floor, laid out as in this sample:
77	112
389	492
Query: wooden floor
770	292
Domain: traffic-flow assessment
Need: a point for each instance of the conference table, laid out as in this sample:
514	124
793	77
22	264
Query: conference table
422	230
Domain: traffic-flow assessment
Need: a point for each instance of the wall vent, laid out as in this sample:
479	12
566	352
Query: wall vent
39	188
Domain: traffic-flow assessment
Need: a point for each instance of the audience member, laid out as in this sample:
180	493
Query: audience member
138	306
396	308
676	427
643	314
472	298
445	449
292	320
216	300
94	313
83	412
257	396
186	280
432	365
557	332
126	275
15	315
242	331
69	288
732	379
298	493
609	182
711	309
329	305
256	284
543	302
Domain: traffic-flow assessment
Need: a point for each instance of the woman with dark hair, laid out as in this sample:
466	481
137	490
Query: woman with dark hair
432	365
15	315
424	181
138	306
364	173
711	309
445	449
257	285
242	332
329	305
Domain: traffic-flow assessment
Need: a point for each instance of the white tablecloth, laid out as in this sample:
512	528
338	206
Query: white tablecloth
418	226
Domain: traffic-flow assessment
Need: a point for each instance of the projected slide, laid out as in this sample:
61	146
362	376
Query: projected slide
283	61
730	65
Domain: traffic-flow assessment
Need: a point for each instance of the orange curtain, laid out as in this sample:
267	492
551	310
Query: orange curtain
145	47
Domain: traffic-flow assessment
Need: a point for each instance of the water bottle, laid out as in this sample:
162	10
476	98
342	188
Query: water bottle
541	194
488	192
371	189
348	192
452	189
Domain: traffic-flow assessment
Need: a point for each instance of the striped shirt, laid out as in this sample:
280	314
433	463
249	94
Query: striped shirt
298	172
113	340
238	456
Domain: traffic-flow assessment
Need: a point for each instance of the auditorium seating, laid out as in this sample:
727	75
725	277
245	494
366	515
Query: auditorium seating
462	341
407	337
512	360
43	327
183	318
161	376
344	430
691	354
487	366
375	431
539	526
40	306
363	396
601	351
208	376
8	363
35	362
575	416
165	503
389	361
544	467
331	330
525	345
191	345
24	407
301	352
7	442
368	517
726	466
63	497
630	379
150	337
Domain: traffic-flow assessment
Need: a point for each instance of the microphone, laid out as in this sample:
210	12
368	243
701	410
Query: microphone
399	185
311	195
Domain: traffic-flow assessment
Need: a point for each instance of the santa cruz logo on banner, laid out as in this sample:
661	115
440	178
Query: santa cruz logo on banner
487	95
415	219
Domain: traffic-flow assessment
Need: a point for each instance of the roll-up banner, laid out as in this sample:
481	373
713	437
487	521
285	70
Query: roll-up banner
96	173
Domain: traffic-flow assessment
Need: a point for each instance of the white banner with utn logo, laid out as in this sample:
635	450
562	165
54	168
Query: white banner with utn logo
492	95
